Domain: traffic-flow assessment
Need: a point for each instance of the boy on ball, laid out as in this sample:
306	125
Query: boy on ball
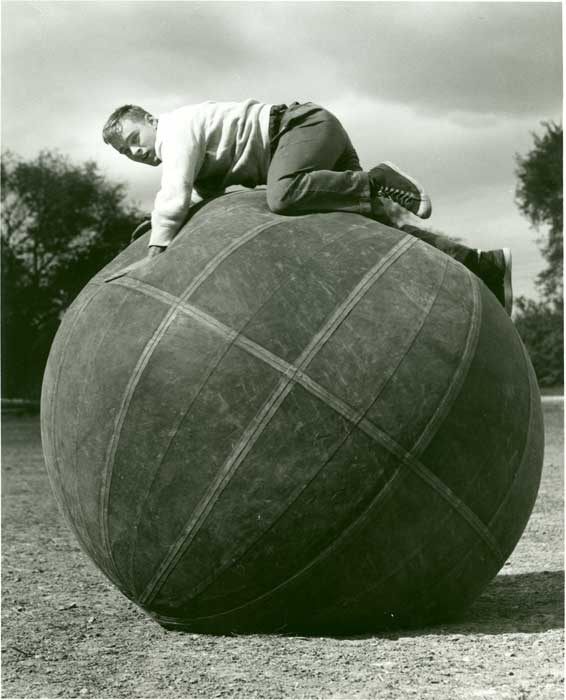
301	152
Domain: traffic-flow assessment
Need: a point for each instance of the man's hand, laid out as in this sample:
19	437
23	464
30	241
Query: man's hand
155	250
151	253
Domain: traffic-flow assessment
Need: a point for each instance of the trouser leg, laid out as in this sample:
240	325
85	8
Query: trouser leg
315	167
461	253
492	267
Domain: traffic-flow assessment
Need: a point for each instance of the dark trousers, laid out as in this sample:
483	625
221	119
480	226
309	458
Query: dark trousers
461	253
314	167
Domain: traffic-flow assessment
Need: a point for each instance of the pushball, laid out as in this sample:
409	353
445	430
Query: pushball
292	424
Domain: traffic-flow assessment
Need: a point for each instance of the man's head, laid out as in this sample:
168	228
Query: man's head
131	131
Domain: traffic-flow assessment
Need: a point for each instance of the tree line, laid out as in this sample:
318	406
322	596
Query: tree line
62	222
539	197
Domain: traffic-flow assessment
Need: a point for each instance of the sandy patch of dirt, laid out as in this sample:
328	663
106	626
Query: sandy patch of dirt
66	632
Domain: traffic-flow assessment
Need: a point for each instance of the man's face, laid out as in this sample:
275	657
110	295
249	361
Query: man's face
137	140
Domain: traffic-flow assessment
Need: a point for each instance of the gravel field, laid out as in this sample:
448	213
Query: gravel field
66	632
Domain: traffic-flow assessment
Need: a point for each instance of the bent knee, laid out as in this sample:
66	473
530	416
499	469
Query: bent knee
279	203
284	196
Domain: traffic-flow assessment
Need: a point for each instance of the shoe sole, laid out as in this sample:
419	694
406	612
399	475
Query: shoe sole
425	206
507	288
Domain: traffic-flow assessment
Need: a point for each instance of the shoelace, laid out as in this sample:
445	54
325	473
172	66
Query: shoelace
401	196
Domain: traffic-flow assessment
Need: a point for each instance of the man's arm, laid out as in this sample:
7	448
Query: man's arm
182	154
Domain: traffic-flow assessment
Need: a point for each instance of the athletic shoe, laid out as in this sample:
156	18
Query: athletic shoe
494	269
387	180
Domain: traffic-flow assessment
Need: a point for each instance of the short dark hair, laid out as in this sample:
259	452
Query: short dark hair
113	126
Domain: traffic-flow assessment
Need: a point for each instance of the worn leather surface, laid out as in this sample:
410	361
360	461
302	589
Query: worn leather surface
292	423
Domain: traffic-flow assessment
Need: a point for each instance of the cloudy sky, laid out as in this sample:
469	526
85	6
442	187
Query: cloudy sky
450	91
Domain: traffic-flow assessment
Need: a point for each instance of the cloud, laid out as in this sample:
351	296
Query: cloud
449	90
436	57
458	57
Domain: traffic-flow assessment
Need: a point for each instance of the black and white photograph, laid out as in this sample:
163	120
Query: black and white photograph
282	349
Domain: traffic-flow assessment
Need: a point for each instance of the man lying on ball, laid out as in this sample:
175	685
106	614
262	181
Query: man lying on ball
301	152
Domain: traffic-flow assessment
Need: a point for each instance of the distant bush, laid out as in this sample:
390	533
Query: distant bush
539	197
540	325
61	223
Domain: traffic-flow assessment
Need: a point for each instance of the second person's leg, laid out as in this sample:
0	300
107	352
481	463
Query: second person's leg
493	267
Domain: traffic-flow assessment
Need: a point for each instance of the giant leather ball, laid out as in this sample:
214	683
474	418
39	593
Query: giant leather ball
297	424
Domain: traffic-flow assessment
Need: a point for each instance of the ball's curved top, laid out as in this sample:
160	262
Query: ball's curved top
292	423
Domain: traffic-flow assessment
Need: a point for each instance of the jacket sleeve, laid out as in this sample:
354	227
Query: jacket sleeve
182	154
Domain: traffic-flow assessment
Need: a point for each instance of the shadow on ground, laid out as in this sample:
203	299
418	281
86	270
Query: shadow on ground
526	603
529	603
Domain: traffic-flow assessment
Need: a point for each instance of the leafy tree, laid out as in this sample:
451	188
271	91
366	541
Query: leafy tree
540	326
61	223
539	197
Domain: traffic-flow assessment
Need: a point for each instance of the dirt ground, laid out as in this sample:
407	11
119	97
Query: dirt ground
66	632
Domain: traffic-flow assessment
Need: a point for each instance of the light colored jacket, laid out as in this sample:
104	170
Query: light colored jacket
208	146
